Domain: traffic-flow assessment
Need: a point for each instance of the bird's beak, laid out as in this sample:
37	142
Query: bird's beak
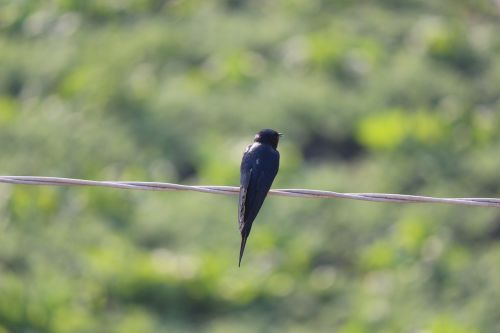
280	134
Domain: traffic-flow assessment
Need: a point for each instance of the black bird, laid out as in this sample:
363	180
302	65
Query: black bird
259	166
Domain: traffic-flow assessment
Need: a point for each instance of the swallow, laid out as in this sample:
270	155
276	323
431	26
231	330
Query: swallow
259	166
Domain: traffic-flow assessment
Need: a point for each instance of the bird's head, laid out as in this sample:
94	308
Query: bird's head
268	136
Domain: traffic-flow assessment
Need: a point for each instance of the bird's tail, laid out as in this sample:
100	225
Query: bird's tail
242	247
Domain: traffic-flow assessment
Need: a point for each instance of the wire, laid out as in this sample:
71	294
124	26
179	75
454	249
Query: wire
232	190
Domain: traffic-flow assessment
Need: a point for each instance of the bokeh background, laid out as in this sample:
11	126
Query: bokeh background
394	96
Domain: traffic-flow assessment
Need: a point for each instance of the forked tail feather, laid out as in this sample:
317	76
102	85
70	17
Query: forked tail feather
242	247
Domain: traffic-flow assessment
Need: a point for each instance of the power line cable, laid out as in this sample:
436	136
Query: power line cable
232	190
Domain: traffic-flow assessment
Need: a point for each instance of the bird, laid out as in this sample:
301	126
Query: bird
259	166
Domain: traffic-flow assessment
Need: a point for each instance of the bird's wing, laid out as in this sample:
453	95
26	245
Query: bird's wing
259	184
244	182
255	181
245	175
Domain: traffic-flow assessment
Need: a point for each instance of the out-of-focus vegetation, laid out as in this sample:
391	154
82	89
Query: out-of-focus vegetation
373	96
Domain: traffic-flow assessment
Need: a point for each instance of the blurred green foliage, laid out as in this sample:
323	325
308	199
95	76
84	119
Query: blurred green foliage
373	96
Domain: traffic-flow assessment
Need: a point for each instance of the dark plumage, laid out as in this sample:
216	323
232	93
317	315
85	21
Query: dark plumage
259	166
